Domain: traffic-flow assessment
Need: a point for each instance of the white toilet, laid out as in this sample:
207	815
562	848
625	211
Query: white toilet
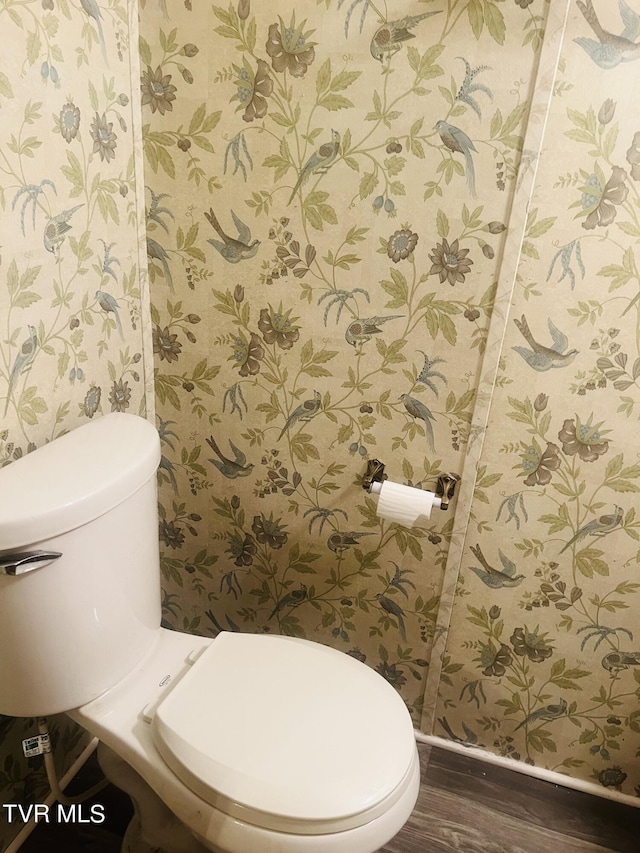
246	743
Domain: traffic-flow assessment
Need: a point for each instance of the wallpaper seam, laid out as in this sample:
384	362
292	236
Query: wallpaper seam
549	58
138	167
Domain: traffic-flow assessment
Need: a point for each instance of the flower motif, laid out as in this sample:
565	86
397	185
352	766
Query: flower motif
401	244
612	777
166	345
171	534
289	49
92	400
268	531
277	327
531	644
69	119
495	661
540	464
450	262
599	199
104	139
119	396
357	654
394	676
157	90
242	549
583	439
247	354
253	89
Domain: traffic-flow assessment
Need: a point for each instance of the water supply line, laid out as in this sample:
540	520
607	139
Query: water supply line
52	777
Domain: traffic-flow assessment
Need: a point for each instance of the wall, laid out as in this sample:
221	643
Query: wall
540	660
73	301
326	214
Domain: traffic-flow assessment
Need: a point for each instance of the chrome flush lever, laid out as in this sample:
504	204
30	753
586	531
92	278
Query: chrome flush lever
21	562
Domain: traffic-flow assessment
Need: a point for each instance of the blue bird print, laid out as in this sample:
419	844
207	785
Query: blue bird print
393	609
304	412
545	714
419	411
615	662
319	162
598	527
492	577
360	331
230	468
540	357
93	11
456	140
56	229
22	362
291	599
340	541
389	38
108	304
158	253
233	250
610	50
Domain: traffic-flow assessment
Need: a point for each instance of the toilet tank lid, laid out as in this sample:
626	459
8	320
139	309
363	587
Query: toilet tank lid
76	478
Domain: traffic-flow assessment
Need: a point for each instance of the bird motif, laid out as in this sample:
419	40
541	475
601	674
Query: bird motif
546	714
233	250
22	362
361	330
540	357
56	228
617	661
304	412
419	411
343	540
108	304
291	599
230	468
492	577
456	140
389	37
610	50
598	527
393	609
158	253
319	162
93	11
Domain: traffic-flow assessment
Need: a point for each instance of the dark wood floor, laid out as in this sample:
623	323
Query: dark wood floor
464	806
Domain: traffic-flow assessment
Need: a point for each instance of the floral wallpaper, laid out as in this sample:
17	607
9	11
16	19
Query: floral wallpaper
540	661
73	301
356	215
328	189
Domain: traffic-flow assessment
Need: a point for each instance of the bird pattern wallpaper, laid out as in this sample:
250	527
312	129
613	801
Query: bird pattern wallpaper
76	338
402	231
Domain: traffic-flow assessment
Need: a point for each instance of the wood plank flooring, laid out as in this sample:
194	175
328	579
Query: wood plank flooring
464	806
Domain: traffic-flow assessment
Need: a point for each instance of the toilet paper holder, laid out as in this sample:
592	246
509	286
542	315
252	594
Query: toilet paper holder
375	473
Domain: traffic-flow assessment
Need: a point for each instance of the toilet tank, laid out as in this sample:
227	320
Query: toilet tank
72	626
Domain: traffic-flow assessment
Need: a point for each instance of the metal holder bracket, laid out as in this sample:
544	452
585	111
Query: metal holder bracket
446	488
374	474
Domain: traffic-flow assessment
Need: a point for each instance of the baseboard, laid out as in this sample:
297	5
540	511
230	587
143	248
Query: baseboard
552	776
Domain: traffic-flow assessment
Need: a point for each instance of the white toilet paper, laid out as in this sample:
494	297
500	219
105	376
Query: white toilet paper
404	504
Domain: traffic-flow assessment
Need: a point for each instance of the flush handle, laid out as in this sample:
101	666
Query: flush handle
26	561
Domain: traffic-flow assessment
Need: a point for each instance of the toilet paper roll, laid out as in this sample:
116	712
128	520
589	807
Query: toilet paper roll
404	504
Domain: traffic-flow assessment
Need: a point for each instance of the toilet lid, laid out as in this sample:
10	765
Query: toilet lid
287	734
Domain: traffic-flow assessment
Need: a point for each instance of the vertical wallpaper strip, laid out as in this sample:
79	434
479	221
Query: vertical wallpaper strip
542	89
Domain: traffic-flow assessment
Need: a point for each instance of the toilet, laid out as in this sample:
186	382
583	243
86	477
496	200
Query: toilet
242	743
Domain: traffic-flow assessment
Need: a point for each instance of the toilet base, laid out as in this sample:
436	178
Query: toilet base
153	828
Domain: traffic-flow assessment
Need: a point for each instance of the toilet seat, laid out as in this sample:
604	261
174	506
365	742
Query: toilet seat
351	751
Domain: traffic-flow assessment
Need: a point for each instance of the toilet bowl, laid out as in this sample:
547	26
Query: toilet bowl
245	742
